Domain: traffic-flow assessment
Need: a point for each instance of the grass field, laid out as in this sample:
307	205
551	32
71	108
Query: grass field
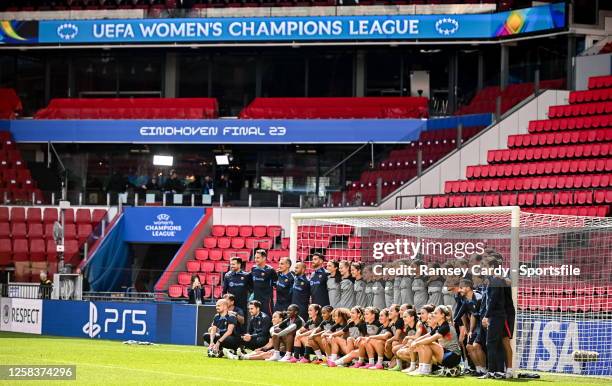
111	362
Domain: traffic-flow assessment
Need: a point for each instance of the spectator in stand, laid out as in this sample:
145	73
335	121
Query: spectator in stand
46	286
152	184
173	184
196	294
208	186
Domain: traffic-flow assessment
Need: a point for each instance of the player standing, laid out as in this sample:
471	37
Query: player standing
264	277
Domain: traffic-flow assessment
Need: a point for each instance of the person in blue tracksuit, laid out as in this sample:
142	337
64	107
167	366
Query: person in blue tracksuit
318	281
238	283
284	285
300	294
264	278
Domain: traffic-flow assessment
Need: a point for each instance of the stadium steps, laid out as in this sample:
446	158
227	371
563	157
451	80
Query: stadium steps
563	166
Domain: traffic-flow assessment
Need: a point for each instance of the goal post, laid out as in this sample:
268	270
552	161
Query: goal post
538	253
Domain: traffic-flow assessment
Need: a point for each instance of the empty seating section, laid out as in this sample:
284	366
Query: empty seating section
130	108
401	166
211	262
27	240
10	104
16	184
563	166
320	108
485	101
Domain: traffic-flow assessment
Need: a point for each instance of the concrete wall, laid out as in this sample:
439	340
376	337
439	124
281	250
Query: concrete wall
594	65
474	152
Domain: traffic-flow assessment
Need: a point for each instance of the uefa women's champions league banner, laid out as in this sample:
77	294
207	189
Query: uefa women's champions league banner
294	29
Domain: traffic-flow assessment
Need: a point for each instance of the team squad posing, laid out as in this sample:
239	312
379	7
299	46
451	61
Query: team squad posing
340	316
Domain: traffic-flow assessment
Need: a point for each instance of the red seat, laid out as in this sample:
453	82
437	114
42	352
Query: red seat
201	254
51	251
97	216
193	266
224	242
35	230
218	230
71	252
19	230
70	231
285	243
83	232
207	266
237	243
68	216
50	215
274	231
21	251
6	251
260	231
175	291
184	278
232	230
213	279
215	254
5	230
18	214
252	242
210	242
221	267
246	231
4	214
83	216
34	215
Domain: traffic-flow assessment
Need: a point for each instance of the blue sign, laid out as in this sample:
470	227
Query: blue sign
219	131
152	322
323	28
546	344
104	320
160	224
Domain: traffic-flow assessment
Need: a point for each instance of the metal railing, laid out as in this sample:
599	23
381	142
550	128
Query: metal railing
26	290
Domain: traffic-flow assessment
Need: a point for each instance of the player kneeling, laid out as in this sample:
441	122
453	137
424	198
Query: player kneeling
440	346
223	333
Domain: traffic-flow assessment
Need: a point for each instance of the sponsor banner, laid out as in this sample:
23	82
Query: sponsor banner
160	224
153	322
18	32
311	28
5	311
548	345
22	315
219	131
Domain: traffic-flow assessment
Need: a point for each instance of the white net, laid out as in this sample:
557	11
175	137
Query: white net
560	268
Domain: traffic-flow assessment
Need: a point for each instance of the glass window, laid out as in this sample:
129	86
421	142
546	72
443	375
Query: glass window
193	75
233	82
30	83
383	71
283	76
330	75
58	82
139	75
96	75
7	71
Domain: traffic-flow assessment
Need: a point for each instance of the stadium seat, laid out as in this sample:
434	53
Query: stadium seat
193	266
201	254
6	251
184	278
71	253
50	215
245	231
83	232
218	230
18	214
19	230
232	230
83	216
210	242
175	291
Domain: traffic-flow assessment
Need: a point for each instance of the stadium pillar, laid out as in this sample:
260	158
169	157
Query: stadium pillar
503	70
569	67
360	73
171	75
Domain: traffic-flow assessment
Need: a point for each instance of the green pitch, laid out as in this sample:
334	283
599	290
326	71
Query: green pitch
111	362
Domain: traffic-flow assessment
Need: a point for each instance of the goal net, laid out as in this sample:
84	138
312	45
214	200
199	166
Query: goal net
559	268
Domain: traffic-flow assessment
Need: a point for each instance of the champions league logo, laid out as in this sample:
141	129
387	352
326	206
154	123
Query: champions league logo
447	26
67	31
163	226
